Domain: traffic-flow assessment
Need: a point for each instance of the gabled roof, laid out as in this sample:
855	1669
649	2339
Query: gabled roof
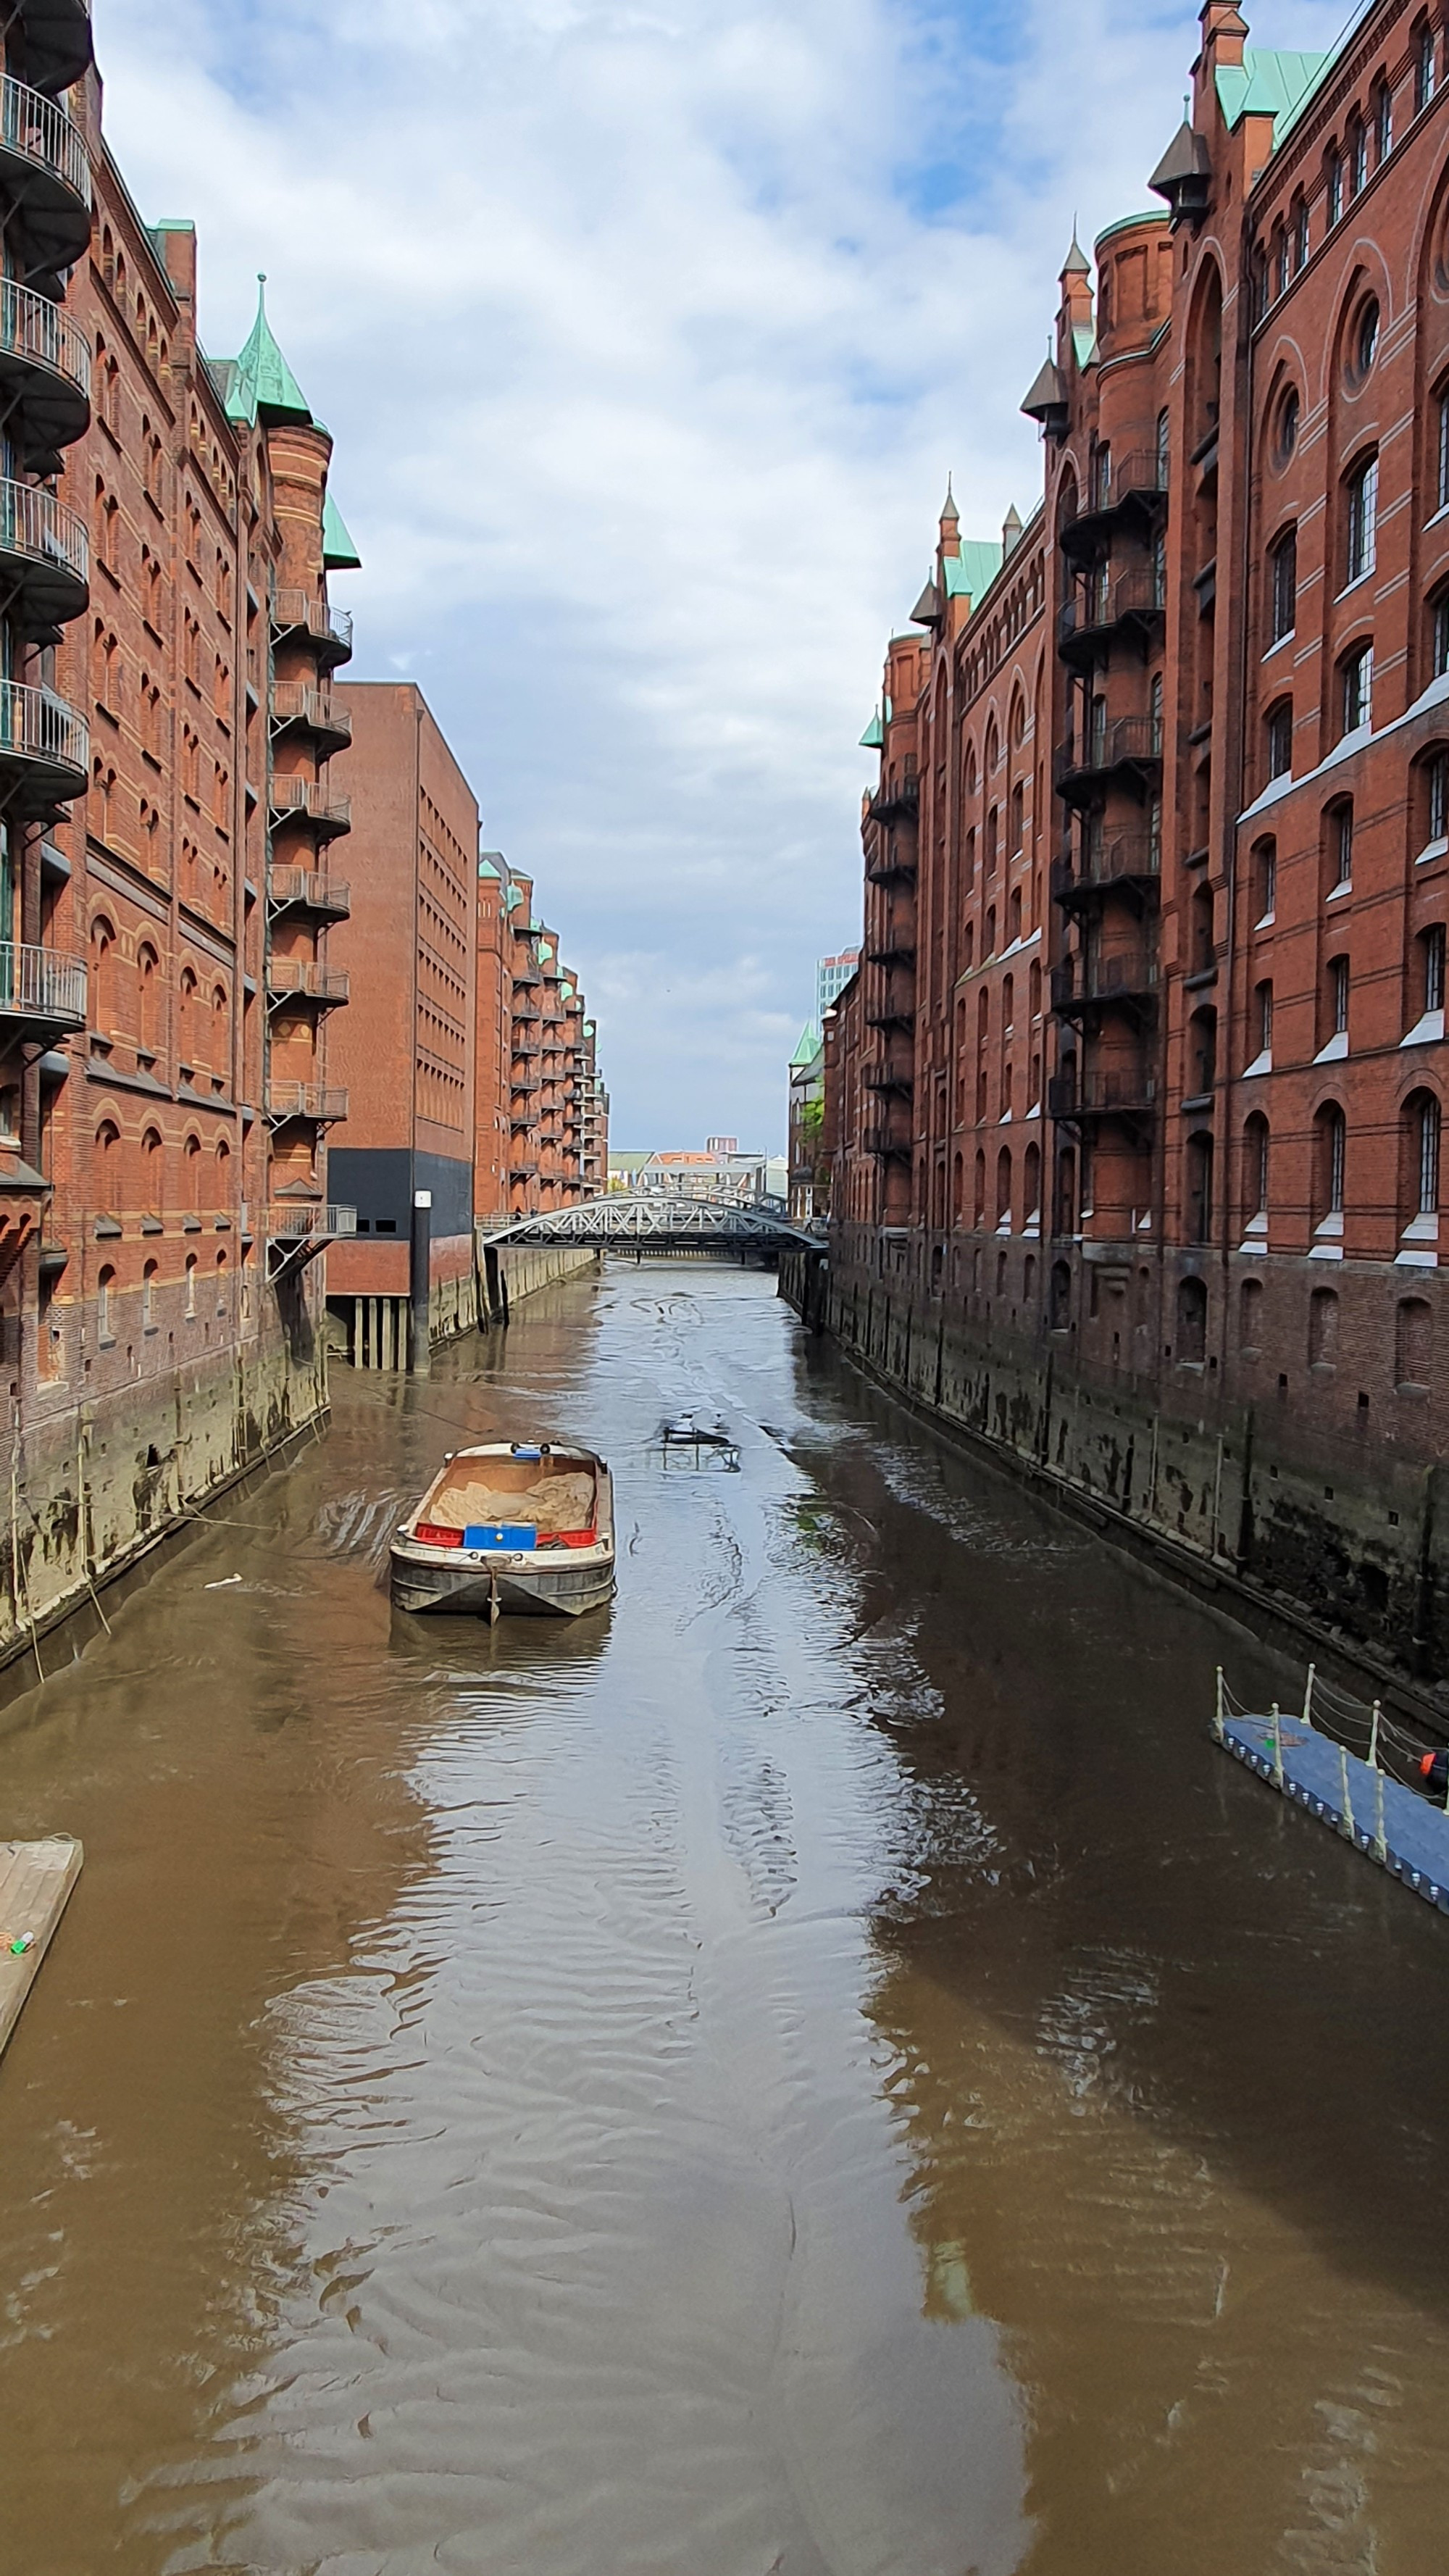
1270	84
259	385
973	570
873	737
927	610
339	554
807	1047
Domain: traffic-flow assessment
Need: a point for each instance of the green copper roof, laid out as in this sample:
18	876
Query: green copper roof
259	384
486	868
873	737
515	896
1276	85
339	554
807	1046
973	570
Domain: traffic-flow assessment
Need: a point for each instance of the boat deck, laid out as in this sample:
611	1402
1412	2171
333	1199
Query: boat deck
1392	1824
35	1884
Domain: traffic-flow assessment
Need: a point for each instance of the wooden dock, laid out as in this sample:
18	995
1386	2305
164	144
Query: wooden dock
35	1884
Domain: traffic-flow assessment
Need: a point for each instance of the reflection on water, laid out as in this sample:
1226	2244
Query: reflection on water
823	2068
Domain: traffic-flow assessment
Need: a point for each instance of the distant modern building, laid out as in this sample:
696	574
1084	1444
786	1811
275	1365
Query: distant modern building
708	1175
831	974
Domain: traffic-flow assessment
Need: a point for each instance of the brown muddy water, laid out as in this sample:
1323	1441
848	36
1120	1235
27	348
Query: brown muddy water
823	2069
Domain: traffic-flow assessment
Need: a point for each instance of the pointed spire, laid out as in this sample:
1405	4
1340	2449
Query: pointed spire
1010	532
261	385
949	512
1076	263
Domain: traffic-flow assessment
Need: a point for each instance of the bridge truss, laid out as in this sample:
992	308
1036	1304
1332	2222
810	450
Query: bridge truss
660	1219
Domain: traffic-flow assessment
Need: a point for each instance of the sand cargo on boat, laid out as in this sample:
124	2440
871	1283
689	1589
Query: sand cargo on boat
510	1527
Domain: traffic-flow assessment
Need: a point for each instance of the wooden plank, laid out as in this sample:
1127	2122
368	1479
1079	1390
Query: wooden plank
35	1883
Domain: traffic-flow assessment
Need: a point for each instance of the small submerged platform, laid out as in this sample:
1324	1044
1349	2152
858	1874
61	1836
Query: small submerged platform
1389	1823
35	1884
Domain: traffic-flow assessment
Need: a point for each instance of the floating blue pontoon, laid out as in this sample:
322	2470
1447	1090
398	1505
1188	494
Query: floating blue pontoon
1389	1823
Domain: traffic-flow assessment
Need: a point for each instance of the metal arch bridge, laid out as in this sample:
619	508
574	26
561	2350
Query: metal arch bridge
660	1218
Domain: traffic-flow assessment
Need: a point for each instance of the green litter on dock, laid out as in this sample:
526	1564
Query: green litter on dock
35	1884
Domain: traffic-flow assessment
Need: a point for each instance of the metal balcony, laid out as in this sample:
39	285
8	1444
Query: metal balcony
326	1103
1128	978
886	1078
1127	1092
45	373
1132	861
301	979
1099	610
896	796
45	555
295	1235
311	800
42	991
885	1145
1131	748
1138	482
46	171
57	42
891	866
310	889
328	630
313	711
45	747
893	951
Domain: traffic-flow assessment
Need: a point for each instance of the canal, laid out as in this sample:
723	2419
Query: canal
825	2069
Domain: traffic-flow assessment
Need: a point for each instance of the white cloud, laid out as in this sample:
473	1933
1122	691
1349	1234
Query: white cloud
646	361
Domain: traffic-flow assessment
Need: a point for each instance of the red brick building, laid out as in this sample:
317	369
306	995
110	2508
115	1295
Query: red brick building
408	1056
167	533
1137	1106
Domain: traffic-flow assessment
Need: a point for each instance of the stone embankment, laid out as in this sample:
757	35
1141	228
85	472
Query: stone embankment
1338	1545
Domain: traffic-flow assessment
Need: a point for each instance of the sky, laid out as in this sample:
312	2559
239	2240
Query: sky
648	332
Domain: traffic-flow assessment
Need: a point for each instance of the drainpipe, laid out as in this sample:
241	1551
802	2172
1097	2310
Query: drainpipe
419	1266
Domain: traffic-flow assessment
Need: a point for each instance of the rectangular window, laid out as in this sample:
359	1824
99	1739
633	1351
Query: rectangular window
1335	190
1280	742
1440	635
1424	70
1383	125
1358	161
1363	511
1358	689
1429	1159
1441	473
1438	800
1434	968
1285	585
1267	883
1337	1157
1338	995
1300	235
1265	1019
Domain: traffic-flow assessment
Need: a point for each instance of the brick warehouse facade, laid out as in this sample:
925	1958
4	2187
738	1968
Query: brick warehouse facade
1135	1103
167	819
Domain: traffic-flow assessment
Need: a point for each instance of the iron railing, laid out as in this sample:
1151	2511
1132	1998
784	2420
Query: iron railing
32	327
1097	606
307	1224
314	798
1110	746
327	1103
313	616
33	524
1093	1093
295	703
42	984
1126	973
37	725
312	887
1130	855
1141	474
896	796
39	130
302	977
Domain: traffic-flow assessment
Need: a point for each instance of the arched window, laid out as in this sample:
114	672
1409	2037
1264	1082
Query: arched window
1361	512
222	1283
1323	1328
1439	635
1383	121
1061	1297
148	997
979	1209
1018	819
1413	1342
1008	1005
1262	1028
1202	1052
1192	1303
190	1308
1013	918
1031	1185
105	1304
958	1190
153	1169
1250	1317
1333	185
1424	66
1431	802
1330	1157
990	948
1003	1190
188	1034
1338	847
1357	156
108	1167
1265	881
1199	1186
1033	986
1278	739
102	978
194	1163
1419	1168
1256	1141
1356	688
1066	1215
148	1297
1283	587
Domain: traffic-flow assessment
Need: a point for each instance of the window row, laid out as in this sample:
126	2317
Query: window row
126	1176
193	1284
1365	144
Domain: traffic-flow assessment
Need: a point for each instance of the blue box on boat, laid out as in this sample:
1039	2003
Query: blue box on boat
501	1534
